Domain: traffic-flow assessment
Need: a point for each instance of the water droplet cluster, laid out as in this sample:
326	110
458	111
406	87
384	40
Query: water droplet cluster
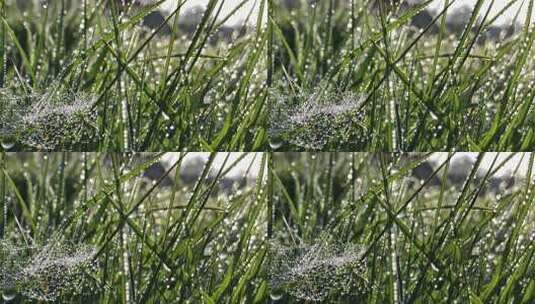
47	120
316	271
317	120
44	272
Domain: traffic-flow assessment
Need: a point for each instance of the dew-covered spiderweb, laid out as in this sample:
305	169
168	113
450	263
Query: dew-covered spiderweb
315	120
47	120
317	271
45	272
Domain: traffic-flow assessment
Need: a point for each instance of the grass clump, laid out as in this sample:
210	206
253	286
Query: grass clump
431	235
179	83
421	73
148	235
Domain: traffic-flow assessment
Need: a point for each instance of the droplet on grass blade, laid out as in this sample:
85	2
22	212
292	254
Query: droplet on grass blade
276	295
135	2
275	141
9	295
7	144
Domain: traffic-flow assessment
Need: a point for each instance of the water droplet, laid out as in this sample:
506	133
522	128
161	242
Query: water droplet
7	144
275	145
275	141
8	296
276	295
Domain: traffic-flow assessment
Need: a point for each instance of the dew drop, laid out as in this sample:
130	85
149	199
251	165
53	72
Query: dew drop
275	145
7	144
8	296
165	116
275	141
276	295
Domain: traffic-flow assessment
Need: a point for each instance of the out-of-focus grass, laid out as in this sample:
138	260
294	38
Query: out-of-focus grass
153	243
152	92
422	241
422	88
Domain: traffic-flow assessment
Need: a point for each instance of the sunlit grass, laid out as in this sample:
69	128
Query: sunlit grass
153	91
417	240
425	88
149	241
